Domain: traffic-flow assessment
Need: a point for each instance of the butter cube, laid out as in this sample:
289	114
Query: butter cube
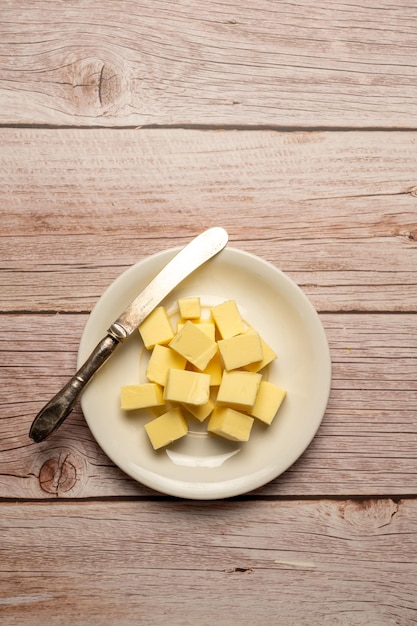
167	428
200	412
187	387
238	389
140	396
228	319
207	327
241	349
161	360
230	424
193	344
161	408
190	308
214	370
268	356
156	328
268	401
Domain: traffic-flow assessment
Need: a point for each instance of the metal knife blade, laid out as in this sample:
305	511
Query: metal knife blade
198	251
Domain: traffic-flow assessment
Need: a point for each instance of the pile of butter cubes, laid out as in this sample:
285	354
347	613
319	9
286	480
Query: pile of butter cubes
208	368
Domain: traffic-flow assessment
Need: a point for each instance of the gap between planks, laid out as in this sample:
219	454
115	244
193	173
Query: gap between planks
220	127
396	498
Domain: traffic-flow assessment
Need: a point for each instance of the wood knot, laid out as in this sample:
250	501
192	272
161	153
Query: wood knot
242	570
97	86
413	191
60	474
369	513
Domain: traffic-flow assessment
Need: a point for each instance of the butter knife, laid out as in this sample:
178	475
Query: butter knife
198	251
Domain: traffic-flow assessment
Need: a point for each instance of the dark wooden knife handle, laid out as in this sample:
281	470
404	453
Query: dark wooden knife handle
60	406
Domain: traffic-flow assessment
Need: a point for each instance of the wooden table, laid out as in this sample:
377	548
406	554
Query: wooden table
126	129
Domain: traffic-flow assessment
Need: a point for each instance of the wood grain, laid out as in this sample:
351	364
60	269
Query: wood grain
305	64
184	563
365	445
336	211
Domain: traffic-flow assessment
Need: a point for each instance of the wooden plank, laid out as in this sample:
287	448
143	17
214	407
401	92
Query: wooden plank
170	562
232	63
365	445
80	206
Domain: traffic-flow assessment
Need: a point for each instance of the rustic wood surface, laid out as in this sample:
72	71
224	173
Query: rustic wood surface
127	128
330	562
281	64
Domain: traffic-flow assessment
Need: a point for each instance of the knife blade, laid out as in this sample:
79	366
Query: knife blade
193	255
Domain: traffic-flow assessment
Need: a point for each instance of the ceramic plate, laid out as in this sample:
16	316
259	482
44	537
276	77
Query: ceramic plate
201	465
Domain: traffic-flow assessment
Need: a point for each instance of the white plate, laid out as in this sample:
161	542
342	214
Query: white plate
203	466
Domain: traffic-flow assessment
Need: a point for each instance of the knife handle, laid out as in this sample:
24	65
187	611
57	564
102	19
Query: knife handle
61	405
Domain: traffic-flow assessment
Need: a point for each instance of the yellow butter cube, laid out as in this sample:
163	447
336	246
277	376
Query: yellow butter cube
190	308
268	401
161	408
140	396
230	424
193	344
207	327
241	349
167	428
214	370
228	319
238	389
200	412
187	387
161	360
156	328
268	355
